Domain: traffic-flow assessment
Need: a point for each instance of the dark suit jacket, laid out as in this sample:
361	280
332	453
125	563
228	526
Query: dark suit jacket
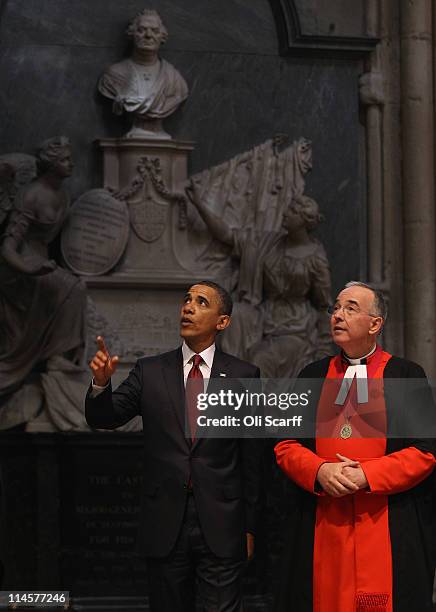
225	473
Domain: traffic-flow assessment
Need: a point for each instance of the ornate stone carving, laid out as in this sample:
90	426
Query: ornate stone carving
42	306
96	234
149	176
371	88
7	188
145	86
148	199
149	217
255	204
16	170
96	325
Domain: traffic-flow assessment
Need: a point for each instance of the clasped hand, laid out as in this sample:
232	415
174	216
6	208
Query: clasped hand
342	478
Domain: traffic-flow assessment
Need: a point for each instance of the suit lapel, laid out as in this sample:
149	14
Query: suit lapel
173	374
220	365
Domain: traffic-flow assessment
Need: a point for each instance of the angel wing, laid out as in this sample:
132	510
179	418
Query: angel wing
16	170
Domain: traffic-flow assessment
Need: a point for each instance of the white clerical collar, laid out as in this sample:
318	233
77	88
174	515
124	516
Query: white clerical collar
359	360
356	369
207	355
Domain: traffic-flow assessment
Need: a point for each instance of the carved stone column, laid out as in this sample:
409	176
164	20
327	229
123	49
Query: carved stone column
372	97
393	266
418	182
379	96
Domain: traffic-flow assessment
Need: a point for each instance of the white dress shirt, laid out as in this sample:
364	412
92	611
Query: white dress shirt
205	366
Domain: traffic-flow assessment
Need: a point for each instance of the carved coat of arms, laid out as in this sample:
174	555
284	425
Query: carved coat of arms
148	214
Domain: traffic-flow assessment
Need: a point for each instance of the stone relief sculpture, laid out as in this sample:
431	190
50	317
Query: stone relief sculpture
255	205
42	306
145	86
149	200
261	221
16	170
7	188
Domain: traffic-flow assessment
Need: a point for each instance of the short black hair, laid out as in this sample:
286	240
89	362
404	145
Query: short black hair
226	302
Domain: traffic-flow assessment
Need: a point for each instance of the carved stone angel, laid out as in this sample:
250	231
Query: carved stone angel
42	306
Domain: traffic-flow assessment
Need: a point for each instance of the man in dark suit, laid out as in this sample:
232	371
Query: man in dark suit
200	495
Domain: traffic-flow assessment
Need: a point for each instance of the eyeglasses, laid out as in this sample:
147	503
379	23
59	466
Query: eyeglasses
349	310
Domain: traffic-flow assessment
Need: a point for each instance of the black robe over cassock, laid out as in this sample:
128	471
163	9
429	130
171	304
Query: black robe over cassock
412	513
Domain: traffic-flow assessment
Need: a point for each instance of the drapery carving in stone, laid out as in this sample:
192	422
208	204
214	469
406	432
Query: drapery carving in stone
255	205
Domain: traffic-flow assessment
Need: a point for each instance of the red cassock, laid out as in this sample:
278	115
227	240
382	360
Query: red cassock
352	555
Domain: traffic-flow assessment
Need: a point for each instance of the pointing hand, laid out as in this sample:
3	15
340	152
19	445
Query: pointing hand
102	364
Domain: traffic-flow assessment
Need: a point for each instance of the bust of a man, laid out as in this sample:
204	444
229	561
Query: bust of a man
145	85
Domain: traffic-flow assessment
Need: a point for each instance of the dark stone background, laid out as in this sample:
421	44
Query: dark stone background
242	92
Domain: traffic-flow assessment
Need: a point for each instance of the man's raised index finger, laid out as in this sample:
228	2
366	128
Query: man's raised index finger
101	345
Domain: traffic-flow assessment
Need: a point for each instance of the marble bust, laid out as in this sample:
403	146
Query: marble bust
145	85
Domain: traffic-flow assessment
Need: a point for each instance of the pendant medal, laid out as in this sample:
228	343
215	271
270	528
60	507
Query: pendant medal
346	431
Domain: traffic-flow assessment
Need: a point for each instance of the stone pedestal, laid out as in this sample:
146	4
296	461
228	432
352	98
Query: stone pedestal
140	298
121	156
149	175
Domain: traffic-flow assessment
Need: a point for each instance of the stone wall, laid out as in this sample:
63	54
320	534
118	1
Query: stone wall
242	91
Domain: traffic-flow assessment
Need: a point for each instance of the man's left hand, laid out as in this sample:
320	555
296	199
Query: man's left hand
355	474
250	546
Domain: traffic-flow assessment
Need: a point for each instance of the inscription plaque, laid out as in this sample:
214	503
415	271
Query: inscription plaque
146	323
100	515
96	233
